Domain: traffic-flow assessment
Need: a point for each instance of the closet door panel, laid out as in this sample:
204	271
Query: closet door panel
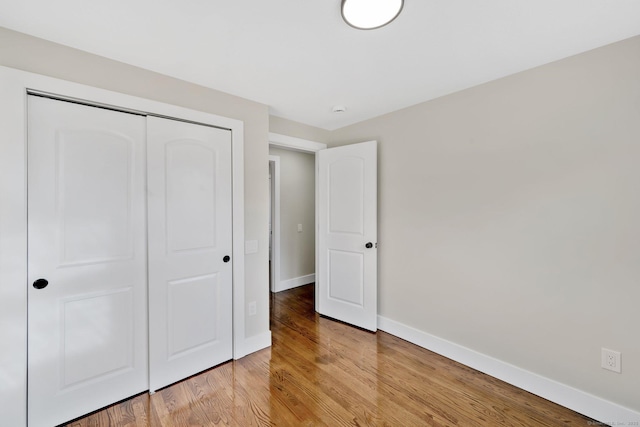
87	333
189	220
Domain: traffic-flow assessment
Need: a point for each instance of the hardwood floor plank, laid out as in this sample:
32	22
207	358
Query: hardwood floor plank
340	408
320	372
336	379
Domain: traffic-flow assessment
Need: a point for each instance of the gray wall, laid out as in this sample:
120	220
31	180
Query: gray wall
297	206
298	130
509	218
29	53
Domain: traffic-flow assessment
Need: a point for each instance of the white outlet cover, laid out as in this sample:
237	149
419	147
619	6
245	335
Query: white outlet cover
611	360
252	308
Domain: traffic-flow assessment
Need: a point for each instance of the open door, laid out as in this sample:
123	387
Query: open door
346	277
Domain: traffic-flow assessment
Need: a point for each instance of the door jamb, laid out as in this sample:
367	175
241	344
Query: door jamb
274	165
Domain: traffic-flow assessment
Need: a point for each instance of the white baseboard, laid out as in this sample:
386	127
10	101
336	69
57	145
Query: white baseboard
253	344
295	282
569	397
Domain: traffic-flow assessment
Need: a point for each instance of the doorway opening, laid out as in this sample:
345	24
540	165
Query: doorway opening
292	225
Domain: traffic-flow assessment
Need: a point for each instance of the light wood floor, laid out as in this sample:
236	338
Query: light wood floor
321	372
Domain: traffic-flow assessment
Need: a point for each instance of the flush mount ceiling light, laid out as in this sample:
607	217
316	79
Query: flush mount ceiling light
370	14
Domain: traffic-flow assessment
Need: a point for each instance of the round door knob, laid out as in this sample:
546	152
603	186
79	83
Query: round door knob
369	245
40	283
226	258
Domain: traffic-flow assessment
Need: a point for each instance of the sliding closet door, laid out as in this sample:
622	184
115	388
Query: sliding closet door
87	287
190	269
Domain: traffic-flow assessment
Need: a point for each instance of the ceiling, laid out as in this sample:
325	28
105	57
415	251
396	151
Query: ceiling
301	59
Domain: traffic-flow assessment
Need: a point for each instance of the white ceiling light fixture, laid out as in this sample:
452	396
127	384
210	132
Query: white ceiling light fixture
370	14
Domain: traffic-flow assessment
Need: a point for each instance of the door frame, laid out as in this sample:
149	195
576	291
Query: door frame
286	142
274	205
14	88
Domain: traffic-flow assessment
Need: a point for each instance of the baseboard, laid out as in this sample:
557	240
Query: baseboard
564	395
253	344
295	282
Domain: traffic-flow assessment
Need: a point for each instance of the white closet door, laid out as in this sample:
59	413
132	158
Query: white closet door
190	271
88	326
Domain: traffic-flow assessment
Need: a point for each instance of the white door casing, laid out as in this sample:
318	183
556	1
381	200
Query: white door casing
87	332
189	222
347	234
274	167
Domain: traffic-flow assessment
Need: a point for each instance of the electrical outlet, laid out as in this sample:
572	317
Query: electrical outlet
252	308
611	360
299	228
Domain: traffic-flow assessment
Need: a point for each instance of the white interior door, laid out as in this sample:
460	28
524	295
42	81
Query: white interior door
347	234
190	271
87	333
